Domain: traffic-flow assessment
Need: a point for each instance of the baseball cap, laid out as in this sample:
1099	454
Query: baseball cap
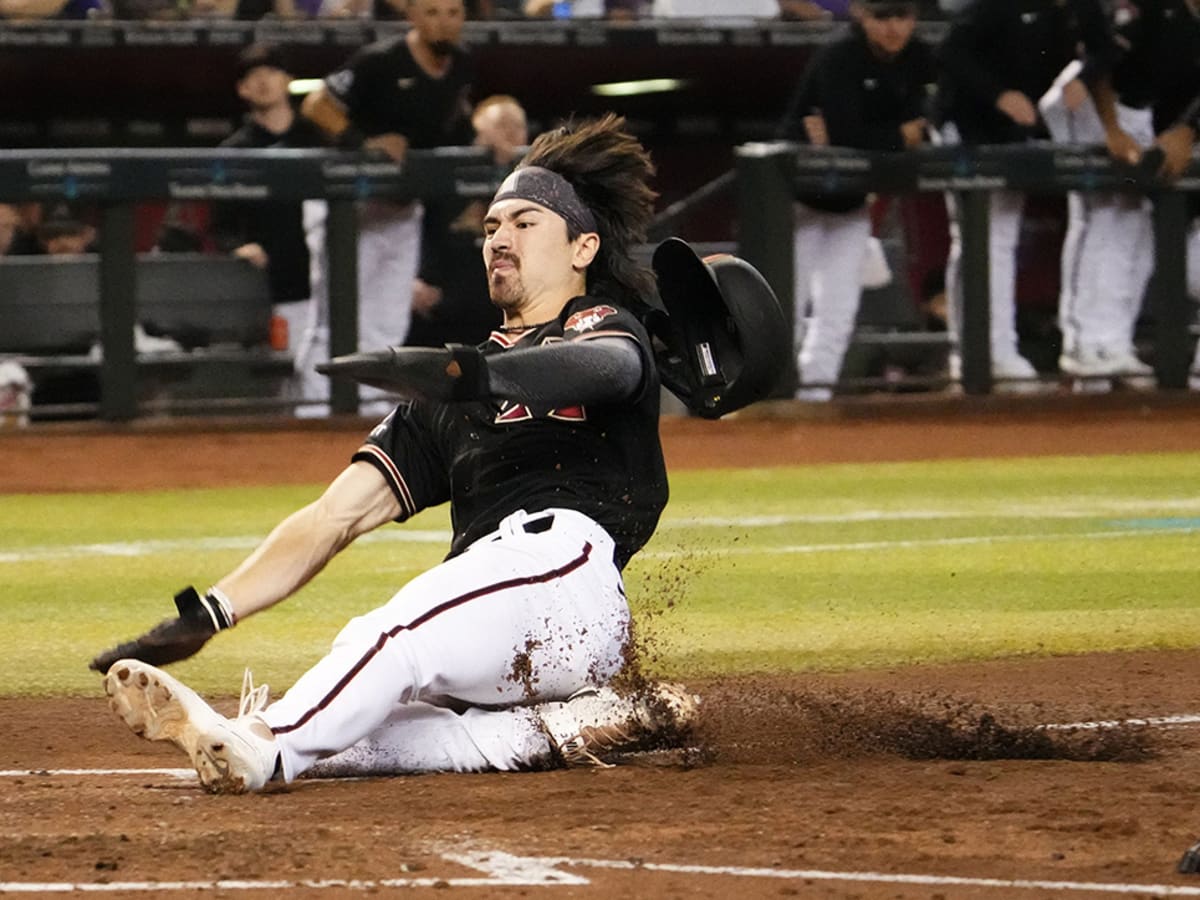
886	9
256	55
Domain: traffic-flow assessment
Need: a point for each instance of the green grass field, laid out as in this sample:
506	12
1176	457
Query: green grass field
821	567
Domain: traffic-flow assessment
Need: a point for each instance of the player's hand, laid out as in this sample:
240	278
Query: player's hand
450	374
173	639
1018	107
913	132
392	145
425	297
253	254
1074	94
1176	144
1122	147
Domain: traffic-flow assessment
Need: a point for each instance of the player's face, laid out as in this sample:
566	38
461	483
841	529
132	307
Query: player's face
890	33
501	128
528	256
264	86
438	23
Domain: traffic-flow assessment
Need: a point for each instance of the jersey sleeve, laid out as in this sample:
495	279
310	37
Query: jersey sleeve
605	320
404	449
355	84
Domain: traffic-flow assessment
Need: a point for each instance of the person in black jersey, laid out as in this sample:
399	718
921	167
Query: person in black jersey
450	298
270	234
868	90
1108	254
544	440
998	58
407	92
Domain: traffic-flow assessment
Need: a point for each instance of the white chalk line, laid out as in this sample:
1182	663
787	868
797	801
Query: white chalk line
507	870
1179	721
130	549
916	543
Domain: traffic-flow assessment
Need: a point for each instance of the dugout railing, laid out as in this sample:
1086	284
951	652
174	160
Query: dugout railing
117	180
771	175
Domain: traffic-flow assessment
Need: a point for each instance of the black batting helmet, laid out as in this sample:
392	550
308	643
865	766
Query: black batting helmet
726	343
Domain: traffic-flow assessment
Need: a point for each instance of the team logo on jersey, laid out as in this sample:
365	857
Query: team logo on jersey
587	319
869	84
405	83
510	413
1029	18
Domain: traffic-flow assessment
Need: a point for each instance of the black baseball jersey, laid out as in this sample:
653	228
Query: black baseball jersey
863	99
1159	54
995	46
384	90
277	226
490	459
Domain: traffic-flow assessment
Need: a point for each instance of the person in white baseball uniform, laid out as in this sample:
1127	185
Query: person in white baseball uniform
998	58
411	91
1108	253
867	91
544	440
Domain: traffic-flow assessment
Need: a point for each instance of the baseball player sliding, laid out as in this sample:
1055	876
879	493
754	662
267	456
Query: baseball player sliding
544	439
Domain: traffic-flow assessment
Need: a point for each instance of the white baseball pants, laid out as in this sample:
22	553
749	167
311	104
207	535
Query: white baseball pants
1005	211
389	252
1108	251
829	249
531	613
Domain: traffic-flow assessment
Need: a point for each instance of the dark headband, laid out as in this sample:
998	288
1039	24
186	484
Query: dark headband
550	190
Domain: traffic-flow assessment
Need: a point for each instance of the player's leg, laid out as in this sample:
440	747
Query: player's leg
389	247
808	243
312	345
836	293
1006	209
534	612
420	737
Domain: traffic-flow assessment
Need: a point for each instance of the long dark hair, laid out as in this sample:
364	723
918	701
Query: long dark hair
610	170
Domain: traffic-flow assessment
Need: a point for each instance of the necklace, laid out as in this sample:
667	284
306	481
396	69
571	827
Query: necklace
516	329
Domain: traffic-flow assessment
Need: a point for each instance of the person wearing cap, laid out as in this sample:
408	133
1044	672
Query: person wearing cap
997	59
544	440
65	231
270	234
866	91
1108	253
410	91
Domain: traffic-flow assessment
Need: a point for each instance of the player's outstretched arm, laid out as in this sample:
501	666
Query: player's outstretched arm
358	501
607	369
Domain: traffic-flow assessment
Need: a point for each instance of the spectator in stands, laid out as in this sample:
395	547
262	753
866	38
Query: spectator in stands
1108	254
451	303
814	10
702	9
408	91
53	9
998	58
271	235
868	91
624	10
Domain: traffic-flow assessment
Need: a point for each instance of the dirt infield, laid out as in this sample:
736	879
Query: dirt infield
930	782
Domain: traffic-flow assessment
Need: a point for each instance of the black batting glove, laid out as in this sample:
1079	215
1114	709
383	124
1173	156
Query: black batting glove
200	617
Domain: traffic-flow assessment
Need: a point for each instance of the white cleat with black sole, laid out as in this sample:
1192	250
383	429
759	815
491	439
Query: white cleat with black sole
231	756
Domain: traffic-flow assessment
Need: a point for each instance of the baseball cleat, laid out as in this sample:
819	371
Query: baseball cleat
594	722
231	756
